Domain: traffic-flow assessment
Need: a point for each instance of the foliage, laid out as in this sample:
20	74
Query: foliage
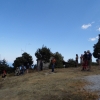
5	66
35	66
43	53
96	48
23	60
18	62
27	59
59	60
71	63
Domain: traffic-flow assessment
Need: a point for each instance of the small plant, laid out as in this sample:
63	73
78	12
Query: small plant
71	63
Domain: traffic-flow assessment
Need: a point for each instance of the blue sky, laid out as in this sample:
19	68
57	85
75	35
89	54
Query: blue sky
67	26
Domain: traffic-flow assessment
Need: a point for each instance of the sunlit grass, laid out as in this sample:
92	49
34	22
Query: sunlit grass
64	84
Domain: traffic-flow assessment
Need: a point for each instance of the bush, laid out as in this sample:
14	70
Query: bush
58	64
71	63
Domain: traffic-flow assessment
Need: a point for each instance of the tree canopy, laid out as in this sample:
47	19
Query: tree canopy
96	48
23	60
4	66
59	60
43	53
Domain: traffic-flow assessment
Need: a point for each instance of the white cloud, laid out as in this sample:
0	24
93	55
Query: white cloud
85	26
93	39
98	29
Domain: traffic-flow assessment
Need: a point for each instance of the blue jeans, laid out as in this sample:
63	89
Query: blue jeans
53	65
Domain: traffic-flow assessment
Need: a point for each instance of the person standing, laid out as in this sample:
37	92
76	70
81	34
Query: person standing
27	67
41	65
22	69
76	60
4	74
84	61
81	59
53	64
89	60
99	59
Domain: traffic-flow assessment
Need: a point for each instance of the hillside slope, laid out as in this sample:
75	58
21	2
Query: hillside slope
64	84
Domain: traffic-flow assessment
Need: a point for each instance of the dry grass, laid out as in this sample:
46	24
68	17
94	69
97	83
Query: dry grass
65	84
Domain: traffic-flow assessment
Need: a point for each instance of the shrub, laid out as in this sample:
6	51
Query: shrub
71	63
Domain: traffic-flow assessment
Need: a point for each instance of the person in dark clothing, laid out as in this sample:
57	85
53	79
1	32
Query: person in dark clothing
4	74
27	67
81	59
76	60
99	59
89	60
53	64
84	61
41	65
22	69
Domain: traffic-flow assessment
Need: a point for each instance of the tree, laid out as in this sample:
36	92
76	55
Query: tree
23	60
5	66
18	62
71	63
59	60
43	53
27	59
96	48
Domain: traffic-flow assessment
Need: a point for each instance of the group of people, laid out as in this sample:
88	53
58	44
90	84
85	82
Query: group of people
20	70
86	60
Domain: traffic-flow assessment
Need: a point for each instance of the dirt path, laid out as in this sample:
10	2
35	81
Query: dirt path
94	83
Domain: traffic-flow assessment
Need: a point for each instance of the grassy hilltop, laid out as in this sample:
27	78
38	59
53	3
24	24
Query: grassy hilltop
64	84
